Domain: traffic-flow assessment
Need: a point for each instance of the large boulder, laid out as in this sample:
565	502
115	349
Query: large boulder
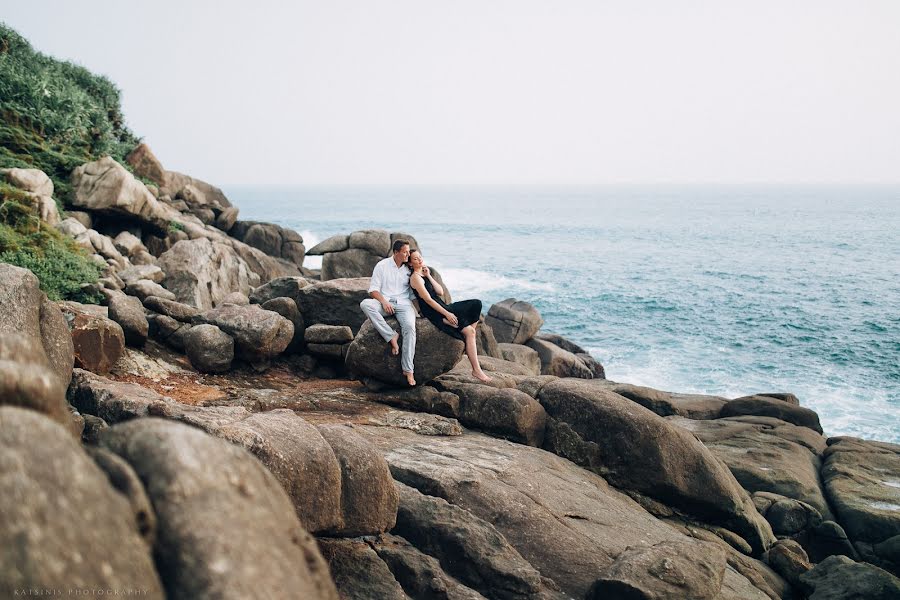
280	287
98	341
368	495
636	449
216	506
472	549
358	572
112	401
105	186
64	526
144	288
840	578
771	407
128	312
369	355
172	308
334	302
566	522
523	355
667	570
27	382
200	272
862	481
514	321
336	243
258	334
20	299
209	349
302	461
57	341
33	181
146	165
354	262
374	241
420	574
272	239
287	308
506	413
692	406
766	455
559	362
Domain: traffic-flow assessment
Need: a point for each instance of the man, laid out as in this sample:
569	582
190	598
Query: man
391	295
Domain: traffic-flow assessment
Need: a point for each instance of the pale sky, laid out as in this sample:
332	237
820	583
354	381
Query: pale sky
499	92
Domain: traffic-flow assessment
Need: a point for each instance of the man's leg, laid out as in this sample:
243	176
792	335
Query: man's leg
406	316
374	311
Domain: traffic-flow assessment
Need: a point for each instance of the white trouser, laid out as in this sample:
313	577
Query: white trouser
406	316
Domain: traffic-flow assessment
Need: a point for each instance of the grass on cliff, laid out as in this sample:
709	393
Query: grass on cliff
60	265
55	115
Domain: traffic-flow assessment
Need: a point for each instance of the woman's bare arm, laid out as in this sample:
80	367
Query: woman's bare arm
438	289
418	284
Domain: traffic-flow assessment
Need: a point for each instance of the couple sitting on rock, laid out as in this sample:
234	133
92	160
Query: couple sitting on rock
402	285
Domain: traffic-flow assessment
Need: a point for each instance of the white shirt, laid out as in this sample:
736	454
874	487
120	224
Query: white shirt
392	281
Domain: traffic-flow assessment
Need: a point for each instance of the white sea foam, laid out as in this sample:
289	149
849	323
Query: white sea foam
310	239
470	283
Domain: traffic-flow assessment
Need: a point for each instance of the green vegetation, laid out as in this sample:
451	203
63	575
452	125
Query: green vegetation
175	226
25	241
55	115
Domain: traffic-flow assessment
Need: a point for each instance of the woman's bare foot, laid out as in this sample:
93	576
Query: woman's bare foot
481	375
395	347
409	378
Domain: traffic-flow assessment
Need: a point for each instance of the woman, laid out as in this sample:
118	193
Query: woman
458	319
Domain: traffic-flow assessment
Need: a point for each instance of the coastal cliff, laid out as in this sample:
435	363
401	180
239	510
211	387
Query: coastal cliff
196	414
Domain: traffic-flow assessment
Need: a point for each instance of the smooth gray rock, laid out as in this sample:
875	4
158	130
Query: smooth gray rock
514	321
27	382
216	505
368	496
355	262
636	449
258	334
523	355
200	272
470	549
559	362
336	243
64	526
358	572
862	481
328	334
57	341
771	407
112	401
420	575
287	308
171	308
369	355
664	571
209	349
281	287
334	302
840	578
144	288
128	312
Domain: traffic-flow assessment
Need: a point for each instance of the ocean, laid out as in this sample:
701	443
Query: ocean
725	290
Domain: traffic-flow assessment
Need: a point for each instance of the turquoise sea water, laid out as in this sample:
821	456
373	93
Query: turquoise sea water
716	290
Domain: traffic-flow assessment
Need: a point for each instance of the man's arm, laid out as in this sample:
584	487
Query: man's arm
384	303
375	289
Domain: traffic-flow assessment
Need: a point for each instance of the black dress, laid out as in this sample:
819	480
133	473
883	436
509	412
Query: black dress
466	311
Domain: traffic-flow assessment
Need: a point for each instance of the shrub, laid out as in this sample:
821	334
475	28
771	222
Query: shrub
55	115
61	266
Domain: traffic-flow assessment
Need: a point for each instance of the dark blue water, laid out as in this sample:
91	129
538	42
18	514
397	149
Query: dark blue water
718	290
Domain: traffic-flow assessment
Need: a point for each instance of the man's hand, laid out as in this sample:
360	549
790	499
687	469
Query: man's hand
388	308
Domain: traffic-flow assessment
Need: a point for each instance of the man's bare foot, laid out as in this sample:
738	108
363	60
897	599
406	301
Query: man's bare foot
480	375
395	347
409	378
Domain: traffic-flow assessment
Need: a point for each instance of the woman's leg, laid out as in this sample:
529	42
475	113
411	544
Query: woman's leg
472	352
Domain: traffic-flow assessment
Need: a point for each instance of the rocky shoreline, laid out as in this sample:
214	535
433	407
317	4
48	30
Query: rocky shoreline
228	425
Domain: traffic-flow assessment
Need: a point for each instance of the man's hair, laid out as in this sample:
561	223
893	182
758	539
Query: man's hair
398	244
